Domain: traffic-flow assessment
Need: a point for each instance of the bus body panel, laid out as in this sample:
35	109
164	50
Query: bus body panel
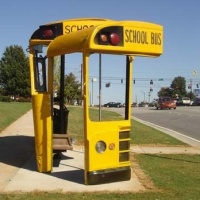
43	131
108	132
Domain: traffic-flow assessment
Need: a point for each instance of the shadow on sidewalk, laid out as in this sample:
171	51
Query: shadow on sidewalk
16	150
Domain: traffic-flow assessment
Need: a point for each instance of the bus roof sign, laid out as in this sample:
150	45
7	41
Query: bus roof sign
65	27
136	38
140	38
145	38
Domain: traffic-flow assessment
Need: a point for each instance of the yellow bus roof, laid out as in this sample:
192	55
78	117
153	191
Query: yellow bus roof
148	43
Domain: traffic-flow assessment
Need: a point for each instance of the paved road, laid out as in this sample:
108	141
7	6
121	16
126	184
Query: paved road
185	120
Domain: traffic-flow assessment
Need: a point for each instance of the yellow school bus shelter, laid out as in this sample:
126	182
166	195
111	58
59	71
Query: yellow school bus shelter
106	143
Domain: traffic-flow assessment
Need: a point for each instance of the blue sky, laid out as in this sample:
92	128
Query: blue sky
180	19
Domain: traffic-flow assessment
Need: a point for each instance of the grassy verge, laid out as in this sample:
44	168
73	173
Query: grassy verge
176	176
9	112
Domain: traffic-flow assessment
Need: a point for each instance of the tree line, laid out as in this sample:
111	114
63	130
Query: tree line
177	89
15	76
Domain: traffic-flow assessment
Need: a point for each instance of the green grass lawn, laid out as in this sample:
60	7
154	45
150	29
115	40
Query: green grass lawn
172	177
9	112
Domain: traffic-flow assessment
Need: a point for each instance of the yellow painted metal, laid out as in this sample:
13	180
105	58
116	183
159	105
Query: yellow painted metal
74	25
130	78
139	38
43	131
32	72
42	118
71	26
50	76
106	131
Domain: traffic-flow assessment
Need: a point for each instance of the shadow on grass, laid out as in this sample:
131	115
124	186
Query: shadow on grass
170	158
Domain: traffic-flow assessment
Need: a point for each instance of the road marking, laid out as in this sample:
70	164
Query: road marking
167	129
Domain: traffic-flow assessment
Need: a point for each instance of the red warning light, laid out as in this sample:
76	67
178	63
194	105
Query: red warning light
47	33
114	39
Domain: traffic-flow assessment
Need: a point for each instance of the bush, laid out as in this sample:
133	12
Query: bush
5	99
22	99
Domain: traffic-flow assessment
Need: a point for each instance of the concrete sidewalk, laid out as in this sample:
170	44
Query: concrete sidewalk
18	170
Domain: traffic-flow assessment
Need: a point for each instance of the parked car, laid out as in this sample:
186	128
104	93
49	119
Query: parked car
113	104
196	101
153	103
184	101
132	105
165	102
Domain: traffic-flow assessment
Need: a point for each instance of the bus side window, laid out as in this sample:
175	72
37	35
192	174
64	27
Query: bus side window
40	74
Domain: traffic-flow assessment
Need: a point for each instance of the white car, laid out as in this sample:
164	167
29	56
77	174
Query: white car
186	101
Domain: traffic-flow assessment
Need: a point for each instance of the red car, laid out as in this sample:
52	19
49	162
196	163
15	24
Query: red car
165	102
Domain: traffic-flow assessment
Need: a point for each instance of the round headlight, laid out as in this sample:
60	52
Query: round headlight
100	146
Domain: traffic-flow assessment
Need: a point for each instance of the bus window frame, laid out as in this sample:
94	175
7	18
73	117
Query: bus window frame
37	61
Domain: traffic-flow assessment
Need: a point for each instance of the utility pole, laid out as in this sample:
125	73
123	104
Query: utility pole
191	84
143	94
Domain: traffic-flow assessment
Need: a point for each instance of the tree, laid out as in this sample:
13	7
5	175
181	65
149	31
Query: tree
176	90
72	88
191	95
56	67
179	87
165	91
14	72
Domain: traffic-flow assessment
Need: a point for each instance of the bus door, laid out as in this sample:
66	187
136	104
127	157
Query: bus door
108	78
42	108
49	111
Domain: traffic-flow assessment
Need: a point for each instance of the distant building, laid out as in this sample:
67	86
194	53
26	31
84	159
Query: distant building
197	92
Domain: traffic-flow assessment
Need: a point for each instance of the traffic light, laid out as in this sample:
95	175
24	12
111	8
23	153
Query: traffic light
108	84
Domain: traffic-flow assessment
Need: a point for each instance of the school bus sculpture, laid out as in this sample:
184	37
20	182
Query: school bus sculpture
106	143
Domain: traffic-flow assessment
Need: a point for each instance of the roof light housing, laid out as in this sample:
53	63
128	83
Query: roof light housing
110	36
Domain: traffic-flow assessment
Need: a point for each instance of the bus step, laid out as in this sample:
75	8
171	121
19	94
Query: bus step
62	142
